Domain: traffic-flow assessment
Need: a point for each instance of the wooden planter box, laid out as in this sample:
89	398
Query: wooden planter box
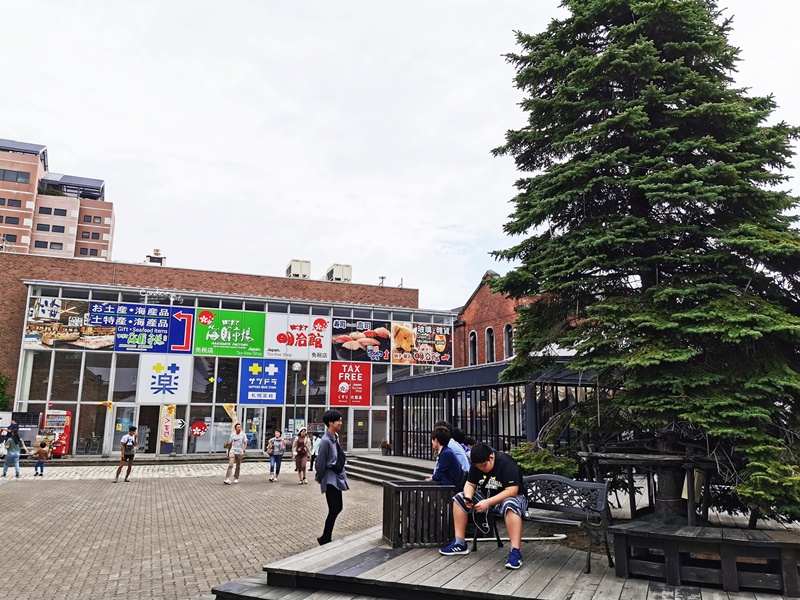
417	514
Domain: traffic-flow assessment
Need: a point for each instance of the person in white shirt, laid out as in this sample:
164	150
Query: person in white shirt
127	448
237	444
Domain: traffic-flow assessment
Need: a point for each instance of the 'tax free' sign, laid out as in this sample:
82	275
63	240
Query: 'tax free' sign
351	384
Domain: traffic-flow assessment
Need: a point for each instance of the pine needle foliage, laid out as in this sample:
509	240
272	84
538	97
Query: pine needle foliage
652	231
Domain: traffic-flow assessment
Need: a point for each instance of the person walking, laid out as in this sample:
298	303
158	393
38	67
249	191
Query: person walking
302	449
237	444
330	473
127	448
275	449
315	442
13	445
42	454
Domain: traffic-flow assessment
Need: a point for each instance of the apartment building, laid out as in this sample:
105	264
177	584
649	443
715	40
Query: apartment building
49	213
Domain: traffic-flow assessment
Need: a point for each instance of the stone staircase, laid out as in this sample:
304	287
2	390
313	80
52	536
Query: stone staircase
377	469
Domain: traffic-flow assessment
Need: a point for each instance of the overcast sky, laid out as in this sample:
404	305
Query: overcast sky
237	136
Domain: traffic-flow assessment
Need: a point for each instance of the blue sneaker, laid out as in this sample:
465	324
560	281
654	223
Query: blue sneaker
514	559
454	549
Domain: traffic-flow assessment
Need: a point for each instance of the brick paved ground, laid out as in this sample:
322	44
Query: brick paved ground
174	531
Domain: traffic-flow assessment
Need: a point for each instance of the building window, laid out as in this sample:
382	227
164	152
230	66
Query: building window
12	202
56	246
2	201
490	345
42	227
93	252
87	218
58	229
85	235
1	219
40	244
95	236
84	251
473	348
9	237
12	220
508	341
45	210
98	220
60	212
15	176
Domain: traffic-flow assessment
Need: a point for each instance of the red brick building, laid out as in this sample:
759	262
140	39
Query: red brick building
484	330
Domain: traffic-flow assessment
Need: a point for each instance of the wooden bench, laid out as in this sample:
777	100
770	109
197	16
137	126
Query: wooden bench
721	556
554	493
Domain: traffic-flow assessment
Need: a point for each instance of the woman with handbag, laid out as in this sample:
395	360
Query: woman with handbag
275	449
302	449
330	473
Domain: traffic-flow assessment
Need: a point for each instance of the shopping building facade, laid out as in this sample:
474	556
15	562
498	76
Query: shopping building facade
102	346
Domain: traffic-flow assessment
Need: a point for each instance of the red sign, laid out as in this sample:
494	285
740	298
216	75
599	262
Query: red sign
351	384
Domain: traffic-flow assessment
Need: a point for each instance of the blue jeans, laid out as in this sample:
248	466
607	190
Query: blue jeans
275	464
11	457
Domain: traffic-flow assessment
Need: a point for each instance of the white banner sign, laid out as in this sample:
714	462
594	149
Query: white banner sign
164	378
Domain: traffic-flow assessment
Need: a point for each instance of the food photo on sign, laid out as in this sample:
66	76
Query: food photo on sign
358	340
421	343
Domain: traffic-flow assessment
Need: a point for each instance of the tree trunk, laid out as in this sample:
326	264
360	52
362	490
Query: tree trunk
669	487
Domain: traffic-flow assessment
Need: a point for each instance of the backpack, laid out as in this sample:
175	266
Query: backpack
130	446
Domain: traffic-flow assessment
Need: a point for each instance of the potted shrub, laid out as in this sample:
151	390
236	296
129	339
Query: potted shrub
386	447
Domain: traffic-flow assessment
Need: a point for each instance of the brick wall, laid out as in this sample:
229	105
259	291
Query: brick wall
483	310
14	268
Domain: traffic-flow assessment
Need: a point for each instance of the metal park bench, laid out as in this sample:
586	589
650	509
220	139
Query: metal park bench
560	494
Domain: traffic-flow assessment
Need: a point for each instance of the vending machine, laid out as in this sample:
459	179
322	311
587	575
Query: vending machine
57	428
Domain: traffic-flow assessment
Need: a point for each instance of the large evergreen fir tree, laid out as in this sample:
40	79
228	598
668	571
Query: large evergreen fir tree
654	236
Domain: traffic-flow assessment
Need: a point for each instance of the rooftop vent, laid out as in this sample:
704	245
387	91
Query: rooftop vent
156	258
339	272
299	268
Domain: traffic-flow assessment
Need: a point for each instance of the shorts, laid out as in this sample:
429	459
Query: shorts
128	457
517	504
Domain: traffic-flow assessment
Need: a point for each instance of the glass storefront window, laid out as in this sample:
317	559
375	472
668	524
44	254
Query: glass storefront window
223	427
379	375
315	424
66	376
398	372
227	380
360	428
318	391
36	374
96	377
254	427
203	380
199	414
302	375
125	375
379	430
91	428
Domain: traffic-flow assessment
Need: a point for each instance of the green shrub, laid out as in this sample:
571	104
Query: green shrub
533	460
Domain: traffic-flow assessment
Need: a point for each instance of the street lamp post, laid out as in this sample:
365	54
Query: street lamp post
296	367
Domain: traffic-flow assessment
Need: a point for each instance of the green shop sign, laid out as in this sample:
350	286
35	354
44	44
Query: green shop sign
229	333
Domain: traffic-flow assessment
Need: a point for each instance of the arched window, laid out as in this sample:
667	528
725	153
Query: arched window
490	345
473	348
508	341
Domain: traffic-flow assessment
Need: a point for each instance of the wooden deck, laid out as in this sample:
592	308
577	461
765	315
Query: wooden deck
362	566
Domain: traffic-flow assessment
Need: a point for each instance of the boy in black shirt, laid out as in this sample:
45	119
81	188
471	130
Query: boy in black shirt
494	483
